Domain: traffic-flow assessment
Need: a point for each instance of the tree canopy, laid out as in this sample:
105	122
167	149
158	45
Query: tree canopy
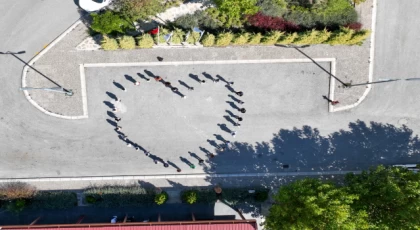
138	9
391	196
312	204
381	198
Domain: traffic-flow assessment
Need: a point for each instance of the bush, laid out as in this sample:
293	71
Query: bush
224	39
162	33
193	37
16	190
217	19
109	22
161	198
108	43
138	9
333	14
178	36
145	41
208	40
234	9
322	36
341	36
288	38
54	200
189	196
271	38
127	42
308	37
274	8
359	37
241	39
271	23
16	206
90	199
255	39
119	196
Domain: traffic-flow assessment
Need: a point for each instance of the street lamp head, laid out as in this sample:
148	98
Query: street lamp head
2	53
21	52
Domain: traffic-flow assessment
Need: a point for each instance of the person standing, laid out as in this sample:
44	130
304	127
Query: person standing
239	93
165	164
233	134
117	119
243	110
157	78
136	83
200	161
202	81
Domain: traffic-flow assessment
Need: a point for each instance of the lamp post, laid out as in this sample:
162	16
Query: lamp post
59	88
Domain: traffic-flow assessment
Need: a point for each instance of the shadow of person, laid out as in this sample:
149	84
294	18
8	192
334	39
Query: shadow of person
143	77
195	77
184	84
233	105
234	98
208	76
118	85
111	95
130	78
229	119
150	74
224	127
111	122
109	104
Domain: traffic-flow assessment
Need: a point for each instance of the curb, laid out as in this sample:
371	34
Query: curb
34	59
371	62
174	176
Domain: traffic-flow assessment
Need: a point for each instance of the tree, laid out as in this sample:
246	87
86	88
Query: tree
312	204
235	9
391	196
138	9
109	22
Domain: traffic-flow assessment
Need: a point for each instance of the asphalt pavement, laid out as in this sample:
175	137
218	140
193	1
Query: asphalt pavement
37	145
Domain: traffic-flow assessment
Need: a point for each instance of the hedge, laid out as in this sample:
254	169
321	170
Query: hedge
53	200
343	36
127	42
119	196
230	195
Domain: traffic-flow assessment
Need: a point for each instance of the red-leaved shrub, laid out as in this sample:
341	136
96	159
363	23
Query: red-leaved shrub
262	21
354	26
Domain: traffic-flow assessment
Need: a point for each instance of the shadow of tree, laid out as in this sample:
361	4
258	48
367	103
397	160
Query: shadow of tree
305	150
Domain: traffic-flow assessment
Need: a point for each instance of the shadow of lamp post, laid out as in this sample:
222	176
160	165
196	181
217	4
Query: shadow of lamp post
59	88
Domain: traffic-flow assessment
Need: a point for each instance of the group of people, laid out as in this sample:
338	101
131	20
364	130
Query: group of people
157	160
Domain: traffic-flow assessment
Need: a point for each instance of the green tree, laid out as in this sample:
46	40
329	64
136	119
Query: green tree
391	196
138	9
235	9
312	204
109	22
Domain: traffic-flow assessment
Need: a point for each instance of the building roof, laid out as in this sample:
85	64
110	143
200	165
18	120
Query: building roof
187	225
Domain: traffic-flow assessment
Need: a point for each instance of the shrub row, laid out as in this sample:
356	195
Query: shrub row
119	196
230	195
343	36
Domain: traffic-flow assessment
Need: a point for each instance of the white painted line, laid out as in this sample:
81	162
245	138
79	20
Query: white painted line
33	60
332	85
83	90
371	61
175	176
219	62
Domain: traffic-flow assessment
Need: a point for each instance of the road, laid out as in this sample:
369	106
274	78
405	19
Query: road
29	25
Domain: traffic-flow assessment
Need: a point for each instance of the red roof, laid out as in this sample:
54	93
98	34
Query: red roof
241	226
190	225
